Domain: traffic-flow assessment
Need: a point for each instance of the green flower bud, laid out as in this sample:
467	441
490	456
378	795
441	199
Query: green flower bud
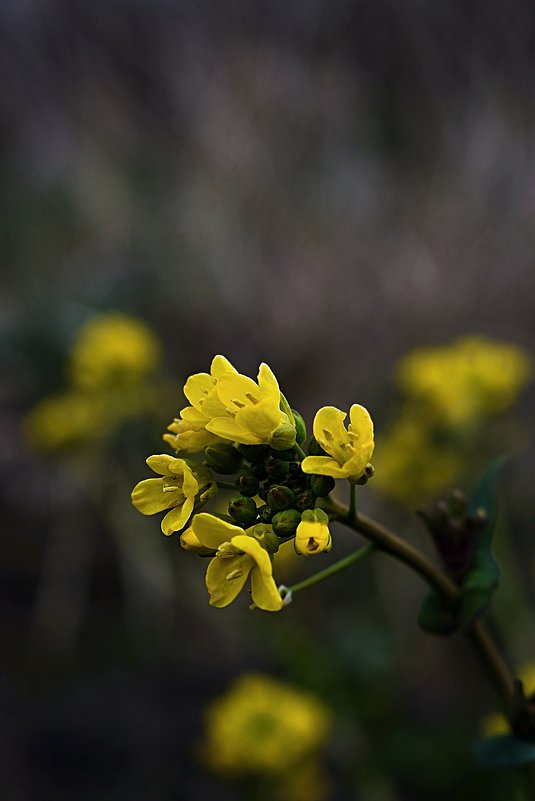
259	470
322	485
285	523
314	448
283	437
265	535
265	513
276	469
253	453
300	428
247	485
305	500
243	510
280	498
223	458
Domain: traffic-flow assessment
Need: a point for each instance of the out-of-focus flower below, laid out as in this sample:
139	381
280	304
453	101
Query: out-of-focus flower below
264	727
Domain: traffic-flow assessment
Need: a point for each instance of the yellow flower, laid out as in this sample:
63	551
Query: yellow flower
189	433
252	413
113	348
238	554
466	379
349	450
176	490
313	535
66	420
262	726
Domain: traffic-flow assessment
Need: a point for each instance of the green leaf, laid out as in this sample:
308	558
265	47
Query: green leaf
505	751
483	578
436	615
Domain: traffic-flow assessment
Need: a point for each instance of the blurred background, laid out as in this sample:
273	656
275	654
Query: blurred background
322	186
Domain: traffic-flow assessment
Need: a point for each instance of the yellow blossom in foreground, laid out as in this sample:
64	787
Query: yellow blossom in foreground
238	555
313	535
252	412
113	348
176	490
349	450
262	726
466	379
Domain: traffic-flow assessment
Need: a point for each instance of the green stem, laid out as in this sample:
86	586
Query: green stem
336	567
478	634
352	514
300	451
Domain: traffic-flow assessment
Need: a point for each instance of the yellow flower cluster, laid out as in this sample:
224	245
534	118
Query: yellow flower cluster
248	427
226	405
111	368
449	391
262	726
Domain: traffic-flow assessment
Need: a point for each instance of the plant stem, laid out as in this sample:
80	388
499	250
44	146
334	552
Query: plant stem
300	452
385	540
352	514
336	567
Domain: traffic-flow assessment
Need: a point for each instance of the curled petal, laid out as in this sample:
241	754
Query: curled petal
212	532
149	497
226	577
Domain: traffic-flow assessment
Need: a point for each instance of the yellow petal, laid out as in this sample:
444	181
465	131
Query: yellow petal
227	428
197	388
189	542
252	547
226	577
212	531
330	432
176	518
264	591
323	466
192	415
160	463
268	384
361	425
260	420
149	498
236	391
220	365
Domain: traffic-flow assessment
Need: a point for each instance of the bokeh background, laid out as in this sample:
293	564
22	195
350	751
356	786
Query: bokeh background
322	186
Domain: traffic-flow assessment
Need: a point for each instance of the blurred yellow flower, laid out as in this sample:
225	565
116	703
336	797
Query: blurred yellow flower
313	535
176	490
411	466
113	348
66	420
262	726
238	555
466	379
349	450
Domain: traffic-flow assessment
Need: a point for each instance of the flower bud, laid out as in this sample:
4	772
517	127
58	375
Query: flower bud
280	498
247	485
300	428
223	458
313	535
283	437
369	470
276	469
243	510
305	500
259	470
265	513
266	537
321	486
287	456
208	492
285	523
